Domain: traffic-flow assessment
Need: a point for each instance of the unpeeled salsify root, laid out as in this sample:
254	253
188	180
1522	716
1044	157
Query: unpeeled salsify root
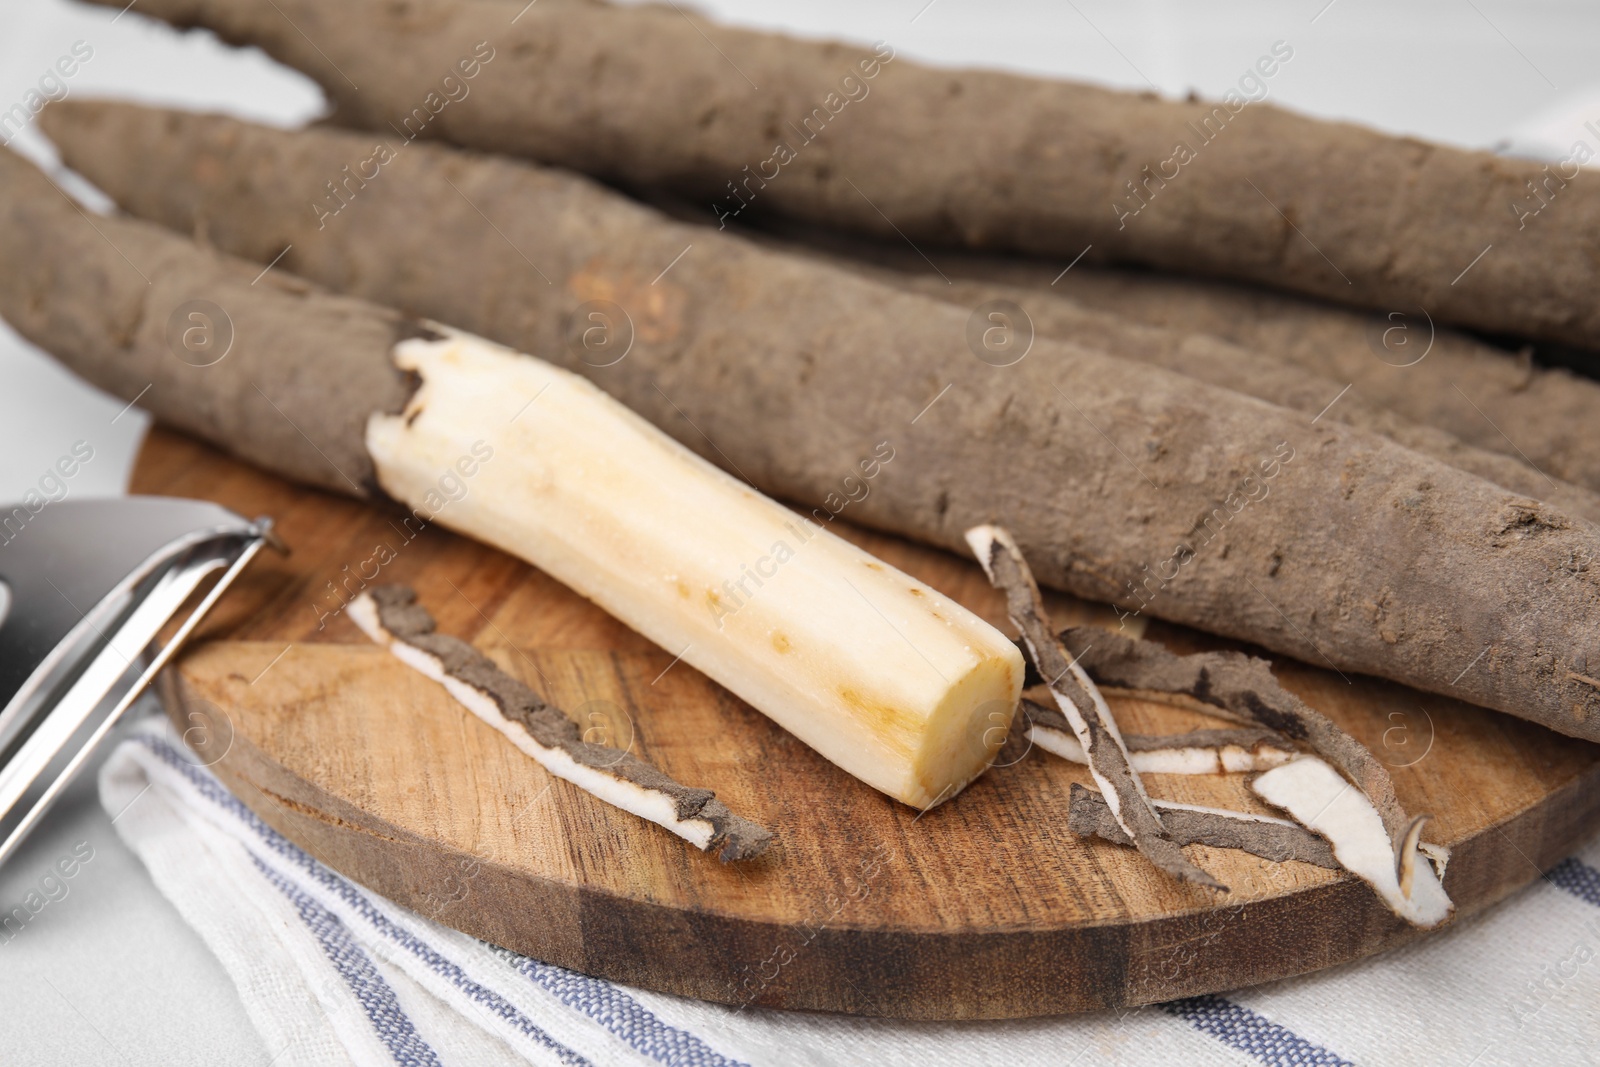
879	673
1396	359
845	136
1325	370
391	616
1247	520
1405	372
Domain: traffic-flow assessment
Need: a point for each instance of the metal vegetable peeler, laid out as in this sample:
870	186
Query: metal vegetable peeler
86	590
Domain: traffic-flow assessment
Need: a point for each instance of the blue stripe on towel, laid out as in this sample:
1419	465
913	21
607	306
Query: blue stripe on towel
622	1015
213	791
1577	878
1277	1046
1256	1035
388	1018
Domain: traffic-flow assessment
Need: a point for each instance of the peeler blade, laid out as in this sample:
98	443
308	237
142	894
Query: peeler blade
89	587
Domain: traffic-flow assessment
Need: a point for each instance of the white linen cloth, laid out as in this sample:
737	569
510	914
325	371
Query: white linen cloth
333	975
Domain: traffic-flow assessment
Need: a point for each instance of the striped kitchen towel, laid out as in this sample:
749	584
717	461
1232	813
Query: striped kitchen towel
331	974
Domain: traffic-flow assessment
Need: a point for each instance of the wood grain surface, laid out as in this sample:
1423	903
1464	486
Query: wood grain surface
986	907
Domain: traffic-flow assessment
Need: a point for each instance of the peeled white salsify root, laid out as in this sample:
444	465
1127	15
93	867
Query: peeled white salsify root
1322	800
884	676
391	617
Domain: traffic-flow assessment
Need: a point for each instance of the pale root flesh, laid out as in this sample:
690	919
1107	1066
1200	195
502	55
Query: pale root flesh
1321	800
887	678
1226	759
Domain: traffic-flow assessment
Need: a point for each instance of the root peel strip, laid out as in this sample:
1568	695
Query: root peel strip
1192	824
1195	752
1321	800
1172	758
1238	687
1081	705
1405	857
392	618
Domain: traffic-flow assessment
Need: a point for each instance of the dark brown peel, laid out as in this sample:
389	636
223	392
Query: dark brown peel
1235	686
1272	839
1081	706
391	616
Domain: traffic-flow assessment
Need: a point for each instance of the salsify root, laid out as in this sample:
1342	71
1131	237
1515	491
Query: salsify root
1129	473
839	134
1433	389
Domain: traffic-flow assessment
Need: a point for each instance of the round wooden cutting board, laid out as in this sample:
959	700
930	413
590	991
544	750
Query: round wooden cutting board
986	907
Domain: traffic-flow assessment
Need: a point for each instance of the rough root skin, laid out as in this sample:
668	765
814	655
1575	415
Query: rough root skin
1382	560
1425	386
292	393
1265	372
1408	219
